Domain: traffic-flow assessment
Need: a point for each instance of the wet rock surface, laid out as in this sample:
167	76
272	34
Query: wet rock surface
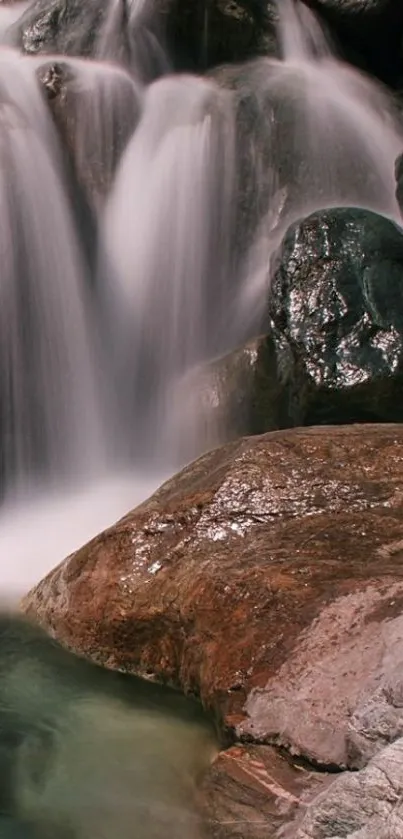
197	35
337	300
77	108
368	33
399	182
264	578
252	789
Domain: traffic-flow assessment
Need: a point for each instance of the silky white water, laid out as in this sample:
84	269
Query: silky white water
127	36
167	235
50	414
103	325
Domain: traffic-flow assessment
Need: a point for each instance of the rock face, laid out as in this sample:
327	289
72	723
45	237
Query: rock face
252	790
59	27
369	33
266	578
197	35
337	301
362	805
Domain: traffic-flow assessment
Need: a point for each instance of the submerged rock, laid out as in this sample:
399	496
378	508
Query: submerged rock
337	300
265	578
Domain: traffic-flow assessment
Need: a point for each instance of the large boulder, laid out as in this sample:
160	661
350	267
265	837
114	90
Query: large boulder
337	300
264	578
56	26
252	792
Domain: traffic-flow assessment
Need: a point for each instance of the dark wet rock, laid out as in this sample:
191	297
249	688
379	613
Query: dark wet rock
197	35
253	792
73	28
207	34
368	33
265	578
263	179
337	299
57	26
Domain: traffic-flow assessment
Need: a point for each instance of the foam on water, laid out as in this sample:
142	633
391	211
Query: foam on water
128	36
40	531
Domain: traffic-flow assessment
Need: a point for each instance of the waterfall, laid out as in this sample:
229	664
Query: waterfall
50	417
189	184
167	234
99	111
326	135
301	35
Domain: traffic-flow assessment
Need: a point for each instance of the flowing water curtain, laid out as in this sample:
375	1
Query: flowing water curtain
322	135
96	107
9	15
50	413
168	234
130	36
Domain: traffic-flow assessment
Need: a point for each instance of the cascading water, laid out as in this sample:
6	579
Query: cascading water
325	135
10	15
168	239
50	418
100	371
128	36
100	109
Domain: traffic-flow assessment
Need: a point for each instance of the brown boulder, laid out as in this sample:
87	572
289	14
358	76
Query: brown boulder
267	578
